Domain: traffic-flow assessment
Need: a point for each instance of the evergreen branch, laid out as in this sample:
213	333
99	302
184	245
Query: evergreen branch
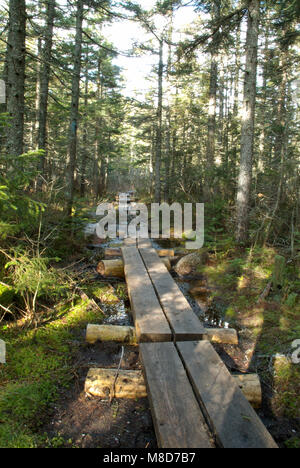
190	46
108	49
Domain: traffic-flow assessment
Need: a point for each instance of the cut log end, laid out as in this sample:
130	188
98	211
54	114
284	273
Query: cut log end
251	388
222	336
111	268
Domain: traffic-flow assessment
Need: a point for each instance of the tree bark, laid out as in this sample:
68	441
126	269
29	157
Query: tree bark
104	383
44	85
74	115
113	333
211	127
16	76
85	131
247	137
159	126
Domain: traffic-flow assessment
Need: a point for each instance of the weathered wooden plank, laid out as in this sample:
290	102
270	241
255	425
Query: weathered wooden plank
150	321
183	321
144	243
116	252
115	268
228	413
177	417
129	242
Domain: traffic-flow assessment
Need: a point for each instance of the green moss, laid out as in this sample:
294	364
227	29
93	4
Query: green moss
291	300
12	436
230	313
39	363
7	294
103	293
25	403
293	443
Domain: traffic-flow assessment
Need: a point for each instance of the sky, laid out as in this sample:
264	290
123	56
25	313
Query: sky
124	34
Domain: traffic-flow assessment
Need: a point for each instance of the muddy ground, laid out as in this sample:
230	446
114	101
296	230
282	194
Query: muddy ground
88	422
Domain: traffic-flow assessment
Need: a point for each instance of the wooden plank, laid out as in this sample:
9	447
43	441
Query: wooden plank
150	321
228	413
129	242
144	243
177	417
184	323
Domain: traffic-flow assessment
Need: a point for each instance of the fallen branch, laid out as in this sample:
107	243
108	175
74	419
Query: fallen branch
265	292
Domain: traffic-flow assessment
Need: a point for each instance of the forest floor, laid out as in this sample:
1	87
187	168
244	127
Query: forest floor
42	399
267	328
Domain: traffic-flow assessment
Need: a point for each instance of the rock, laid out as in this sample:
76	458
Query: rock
191	262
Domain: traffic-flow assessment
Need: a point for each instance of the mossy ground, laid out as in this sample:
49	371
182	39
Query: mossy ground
40	364
237	279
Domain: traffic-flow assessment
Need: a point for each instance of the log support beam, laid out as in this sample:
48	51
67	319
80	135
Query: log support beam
107	383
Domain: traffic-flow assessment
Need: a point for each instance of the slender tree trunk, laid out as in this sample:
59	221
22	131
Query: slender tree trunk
221	103
235	117
168	119
211	127
152	160
159	126
262	139
281	141
99	153
44	85
72	149
212	111
85	131
237	72
16	76
247	137
96	171
35	117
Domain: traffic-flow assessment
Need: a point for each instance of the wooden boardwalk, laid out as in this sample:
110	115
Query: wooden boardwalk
195	402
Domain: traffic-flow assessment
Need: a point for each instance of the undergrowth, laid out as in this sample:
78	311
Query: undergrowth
237	280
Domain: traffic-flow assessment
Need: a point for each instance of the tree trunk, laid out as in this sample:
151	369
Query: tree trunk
262	139
247	137
16	76
211	127
72	149
85	131
35	116
159	125
281	139
100	163
44	85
